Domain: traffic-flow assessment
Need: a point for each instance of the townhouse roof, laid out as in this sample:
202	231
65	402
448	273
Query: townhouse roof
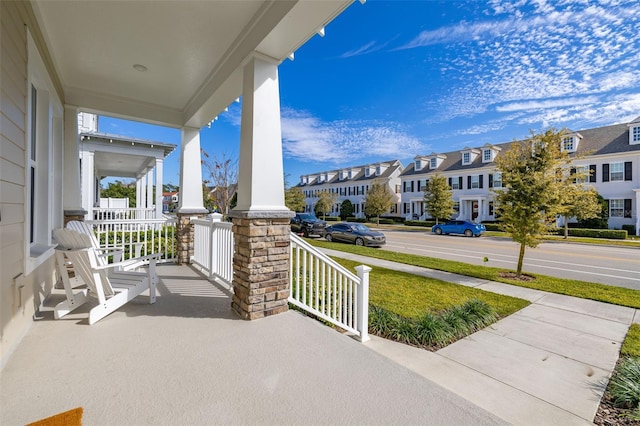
360	177
611	139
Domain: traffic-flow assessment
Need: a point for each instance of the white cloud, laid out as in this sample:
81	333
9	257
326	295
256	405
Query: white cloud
307	138
555	57
367	48
546	103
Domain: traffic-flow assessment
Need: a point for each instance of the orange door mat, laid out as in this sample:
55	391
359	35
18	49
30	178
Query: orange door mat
68	418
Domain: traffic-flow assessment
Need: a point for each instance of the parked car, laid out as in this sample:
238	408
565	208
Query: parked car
464	227
307	224
355	233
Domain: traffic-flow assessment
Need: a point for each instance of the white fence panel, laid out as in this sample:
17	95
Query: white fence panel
213	248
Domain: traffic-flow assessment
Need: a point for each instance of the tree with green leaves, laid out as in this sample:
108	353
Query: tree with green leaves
294	199
578	201
532	179
378	200
601	220
438	197
346	209
325	203
121	189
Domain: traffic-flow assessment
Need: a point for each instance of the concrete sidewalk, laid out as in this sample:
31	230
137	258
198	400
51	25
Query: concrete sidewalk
549	363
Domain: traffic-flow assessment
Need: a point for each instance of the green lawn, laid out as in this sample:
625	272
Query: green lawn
586	290
631	345
411	296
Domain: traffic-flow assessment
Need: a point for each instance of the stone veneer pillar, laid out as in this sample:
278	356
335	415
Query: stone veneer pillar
185	237
70	215
261	263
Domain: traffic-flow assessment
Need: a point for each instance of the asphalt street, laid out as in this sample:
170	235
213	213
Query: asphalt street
619	266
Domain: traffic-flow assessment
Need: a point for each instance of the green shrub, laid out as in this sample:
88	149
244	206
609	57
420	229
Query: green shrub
356	219
625	384
429	330
396	219
492	226
612	234
419	223
332	219
385	221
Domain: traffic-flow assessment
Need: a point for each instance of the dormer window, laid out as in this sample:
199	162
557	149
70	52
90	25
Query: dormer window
433	163
350	174
469	155
418	165
367	172
634	135
377	170
486	155
568	144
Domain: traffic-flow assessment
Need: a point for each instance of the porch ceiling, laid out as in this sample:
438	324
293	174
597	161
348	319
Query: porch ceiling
193	51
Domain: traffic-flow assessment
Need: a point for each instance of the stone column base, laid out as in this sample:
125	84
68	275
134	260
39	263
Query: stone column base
185	231
261	263
70	215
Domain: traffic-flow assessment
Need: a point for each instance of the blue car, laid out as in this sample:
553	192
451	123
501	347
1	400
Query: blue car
464	227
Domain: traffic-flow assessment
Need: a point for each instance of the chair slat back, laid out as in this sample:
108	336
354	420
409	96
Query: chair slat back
79	250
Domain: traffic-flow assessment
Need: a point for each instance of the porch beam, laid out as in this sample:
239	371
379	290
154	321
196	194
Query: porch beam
159	184
88	183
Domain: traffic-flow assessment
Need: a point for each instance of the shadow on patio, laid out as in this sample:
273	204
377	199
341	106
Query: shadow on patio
189	359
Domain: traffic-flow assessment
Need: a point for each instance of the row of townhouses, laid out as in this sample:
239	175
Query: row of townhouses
610	153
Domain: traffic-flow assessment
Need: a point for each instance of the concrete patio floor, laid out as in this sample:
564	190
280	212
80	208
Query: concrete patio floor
190	360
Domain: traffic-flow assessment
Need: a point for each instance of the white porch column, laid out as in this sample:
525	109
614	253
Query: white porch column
190	173
72	200
159	184
260	220
139	192
149	189
261	176
88	183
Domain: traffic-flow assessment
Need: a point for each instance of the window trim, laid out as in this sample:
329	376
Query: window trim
621	208
466	158
621	171
634	135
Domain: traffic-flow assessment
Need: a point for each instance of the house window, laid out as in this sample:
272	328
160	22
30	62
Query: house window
616	208
475	182
567	144
378	171
433	163
582	174
466	158
616	172
497	180
486	155
418	165
43	210
635	135
456	207
367	172
491	208
455	183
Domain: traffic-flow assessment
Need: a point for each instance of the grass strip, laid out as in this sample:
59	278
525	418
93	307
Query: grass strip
585	290
631	344
411	296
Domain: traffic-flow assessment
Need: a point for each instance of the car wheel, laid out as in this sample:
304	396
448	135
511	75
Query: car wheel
359	242
328	237
305	234
438	231
468	233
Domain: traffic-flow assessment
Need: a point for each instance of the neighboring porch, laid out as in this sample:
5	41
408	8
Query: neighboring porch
189	359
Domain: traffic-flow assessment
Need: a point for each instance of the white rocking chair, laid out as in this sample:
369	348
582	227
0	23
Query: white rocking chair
112	290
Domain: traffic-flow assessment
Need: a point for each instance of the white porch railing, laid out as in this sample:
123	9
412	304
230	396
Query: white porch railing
324	288
138	237
213	248
124	213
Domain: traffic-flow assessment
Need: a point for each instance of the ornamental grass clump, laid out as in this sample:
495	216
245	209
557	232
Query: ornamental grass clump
625	386
432	331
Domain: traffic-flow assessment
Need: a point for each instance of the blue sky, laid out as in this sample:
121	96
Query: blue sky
394	79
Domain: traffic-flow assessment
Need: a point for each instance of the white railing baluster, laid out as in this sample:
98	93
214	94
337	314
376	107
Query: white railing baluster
329	291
